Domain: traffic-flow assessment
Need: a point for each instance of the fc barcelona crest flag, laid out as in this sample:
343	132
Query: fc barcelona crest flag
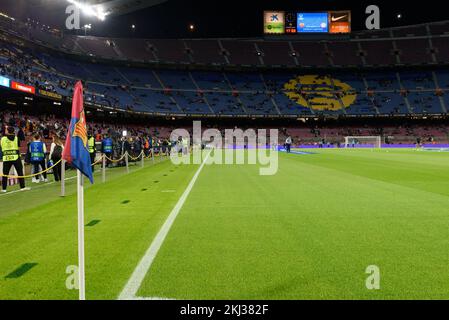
76	151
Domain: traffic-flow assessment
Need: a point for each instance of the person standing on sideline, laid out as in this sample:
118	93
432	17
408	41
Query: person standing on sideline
92	149
9	146
106	148
37	158
56	149
146	147
288	144
185	146
137	147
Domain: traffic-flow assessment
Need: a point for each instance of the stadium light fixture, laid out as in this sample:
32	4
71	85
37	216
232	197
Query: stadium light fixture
4	15
89	10
87	27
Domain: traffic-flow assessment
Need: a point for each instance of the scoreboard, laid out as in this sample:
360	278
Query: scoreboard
330	22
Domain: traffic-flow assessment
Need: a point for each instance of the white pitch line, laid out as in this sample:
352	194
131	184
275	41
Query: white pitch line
152	298
46	184
10	192
134	283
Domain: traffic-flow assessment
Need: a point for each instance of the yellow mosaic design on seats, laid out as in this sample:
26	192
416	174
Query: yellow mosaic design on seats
320	92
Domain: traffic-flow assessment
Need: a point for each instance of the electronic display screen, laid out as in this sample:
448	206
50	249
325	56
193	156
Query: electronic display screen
4	82
274	22
290	22
339	21
293	22
312	22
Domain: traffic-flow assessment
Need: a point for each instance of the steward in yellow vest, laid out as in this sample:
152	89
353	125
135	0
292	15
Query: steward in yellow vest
9	145
92	149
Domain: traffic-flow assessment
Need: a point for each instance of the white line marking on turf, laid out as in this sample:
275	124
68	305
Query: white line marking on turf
46	184
10	192
36	187
134	283
151	298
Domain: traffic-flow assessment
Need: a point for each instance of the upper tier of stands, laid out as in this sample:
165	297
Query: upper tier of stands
413	45
268	93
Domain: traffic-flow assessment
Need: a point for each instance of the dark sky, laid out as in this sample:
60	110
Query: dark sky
227	18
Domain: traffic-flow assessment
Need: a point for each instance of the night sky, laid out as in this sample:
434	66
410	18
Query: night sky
229	18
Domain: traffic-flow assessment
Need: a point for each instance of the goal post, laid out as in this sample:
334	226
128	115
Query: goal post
363	142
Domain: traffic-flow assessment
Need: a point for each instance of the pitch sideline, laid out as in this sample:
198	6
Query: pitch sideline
139	273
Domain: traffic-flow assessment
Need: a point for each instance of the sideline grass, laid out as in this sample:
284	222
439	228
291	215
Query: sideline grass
42	193
128	211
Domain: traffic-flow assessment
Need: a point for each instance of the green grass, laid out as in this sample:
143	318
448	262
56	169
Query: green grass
47	234
308	232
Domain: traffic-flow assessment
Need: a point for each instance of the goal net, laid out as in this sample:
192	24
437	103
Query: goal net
363	142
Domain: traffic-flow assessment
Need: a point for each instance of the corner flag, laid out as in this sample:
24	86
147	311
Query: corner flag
76	150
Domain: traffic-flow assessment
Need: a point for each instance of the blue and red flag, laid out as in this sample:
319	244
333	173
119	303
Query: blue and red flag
76	150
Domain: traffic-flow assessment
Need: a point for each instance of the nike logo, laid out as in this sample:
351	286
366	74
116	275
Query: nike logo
338	18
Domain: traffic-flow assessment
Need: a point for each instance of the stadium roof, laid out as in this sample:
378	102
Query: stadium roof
210	19
120	7
39	9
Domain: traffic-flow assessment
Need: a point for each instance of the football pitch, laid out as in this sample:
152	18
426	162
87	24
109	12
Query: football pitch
308	232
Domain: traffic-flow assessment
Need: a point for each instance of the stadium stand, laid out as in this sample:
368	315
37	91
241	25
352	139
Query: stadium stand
254	52
414	51
327	87
252	93
277	53
307	134
206	52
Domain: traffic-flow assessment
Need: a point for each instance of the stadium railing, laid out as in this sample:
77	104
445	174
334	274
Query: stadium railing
126	157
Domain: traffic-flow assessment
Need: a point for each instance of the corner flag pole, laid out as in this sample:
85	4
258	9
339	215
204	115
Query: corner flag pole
80	191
